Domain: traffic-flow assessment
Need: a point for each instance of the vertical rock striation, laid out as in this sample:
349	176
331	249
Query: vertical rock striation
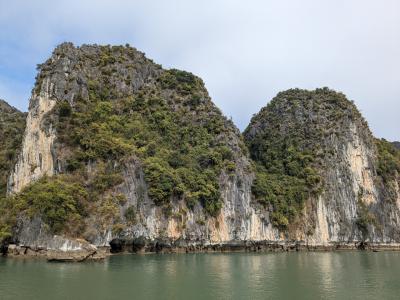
36	158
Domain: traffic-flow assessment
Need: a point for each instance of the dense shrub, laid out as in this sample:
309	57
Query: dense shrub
364	219
178	149
182	81
286	140
12	125
59	201
56	200
388	160
161	180
285	179
64	109
286	194
130	215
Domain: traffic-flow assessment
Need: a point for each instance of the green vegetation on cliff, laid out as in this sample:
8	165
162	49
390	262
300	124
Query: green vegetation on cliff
286	141
169	124
12	125
388	167
180	157
365	219
63	201
388	161
56	200
115	107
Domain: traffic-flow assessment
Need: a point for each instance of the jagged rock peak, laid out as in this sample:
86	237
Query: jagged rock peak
71	71
321	106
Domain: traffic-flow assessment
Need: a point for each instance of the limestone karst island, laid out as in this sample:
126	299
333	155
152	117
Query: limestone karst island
117	154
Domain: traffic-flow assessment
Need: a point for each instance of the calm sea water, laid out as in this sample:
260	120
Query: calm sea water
332	275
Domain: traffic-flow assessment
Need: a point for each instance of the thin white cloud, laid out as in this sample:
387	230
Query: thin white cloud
246	51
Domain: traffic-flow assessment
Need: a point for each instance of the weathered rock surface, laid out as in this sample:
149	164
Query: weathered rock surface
36	158
55	248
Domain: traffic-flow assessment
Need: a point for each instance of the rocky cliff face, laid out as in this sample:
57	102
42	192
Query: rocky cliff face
36	158
333	154
65	77
118	151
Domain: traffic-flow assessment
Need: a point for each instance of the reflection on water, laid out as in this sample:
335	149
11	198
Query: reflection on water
325	267
335	275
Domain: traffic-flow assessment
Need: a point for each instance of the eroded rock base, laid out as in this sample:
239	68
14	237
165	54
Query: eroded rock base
141	245
89	253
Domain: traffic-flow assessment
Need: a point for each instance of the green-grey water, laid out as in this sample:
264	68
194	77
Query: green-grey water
331	275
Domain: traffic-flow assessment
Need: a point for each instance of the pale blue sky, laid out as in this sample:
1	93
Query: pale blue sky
246	51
